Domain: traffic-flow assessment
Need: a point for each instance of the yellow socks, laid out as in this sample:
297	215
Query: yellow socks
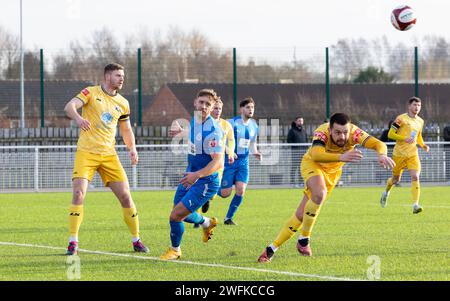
130	216
75	219
288	230
389	184
309	218
415	191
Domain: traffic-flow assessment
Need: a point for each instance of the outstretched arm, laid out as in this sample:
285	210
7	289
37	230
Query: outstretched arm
320	155
381	148
392	134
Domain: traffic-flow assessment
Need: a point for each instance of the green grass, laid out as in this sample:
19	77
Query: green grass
350	228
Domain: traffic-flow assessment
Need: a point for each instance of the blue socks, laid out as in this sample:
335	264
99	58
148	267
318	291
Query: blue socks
235	203
176	233
194	218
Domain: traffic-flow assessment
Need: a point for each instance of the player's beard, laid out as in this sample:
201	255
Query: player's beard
339	143
118	87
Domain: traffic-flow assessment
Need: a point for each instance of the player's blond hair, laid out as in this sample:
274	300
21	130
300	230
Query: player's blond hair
212	95
219	101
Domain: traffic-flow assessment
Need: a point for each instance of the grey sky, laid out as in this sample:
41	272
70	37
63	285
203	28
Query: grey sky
257	24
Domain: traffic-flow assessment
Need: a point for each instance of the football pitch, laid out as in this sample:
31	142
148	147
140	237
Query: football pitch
353	237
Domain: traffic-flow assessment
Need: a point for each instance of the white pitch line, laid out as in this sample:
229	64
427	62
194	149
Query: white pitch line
395	205
187	262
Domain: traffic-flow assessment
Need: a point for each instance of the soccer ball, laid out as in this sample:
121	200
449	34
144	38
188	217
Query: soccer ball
403	18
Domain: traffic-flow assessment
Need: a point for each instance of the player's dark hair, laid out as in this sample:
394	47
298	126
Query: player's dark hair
246	101
113	67
414	99
339	118
212	95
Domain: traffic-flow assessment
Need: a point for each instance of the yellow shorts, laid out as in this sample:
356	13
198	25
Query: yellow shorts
411	163
109	167
311	169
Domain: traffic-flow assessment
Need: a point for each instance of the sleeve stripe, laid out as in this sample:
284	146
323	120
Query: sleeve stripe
80	99
124	117
318	142
395	126
364	142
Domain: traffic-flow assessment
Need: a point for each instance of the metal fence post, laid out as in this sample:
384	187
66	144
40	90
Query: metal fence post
139	88
416	71
36	169
234	82
327	82
42	87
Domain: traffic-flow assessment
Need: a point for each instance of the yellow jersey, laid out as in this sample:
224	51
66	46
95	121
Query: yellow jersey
406	126
103	111
322	136
228	136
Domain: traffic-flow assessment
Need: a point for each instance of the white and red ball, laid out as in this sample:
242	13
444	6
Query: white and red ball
403	18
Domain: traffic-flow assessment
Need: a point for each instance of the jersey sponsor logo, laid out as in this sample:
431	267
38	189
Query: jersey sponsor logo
356	135
321	136
107	117
199	137
117	108
85	92
244	143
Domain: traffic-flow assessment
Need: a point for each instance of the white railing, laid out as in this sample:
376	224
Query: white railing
160	167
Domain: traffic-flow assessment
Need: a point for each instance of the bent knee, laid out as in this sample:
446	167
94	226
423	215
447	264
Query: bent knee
319	196
78	196
225	193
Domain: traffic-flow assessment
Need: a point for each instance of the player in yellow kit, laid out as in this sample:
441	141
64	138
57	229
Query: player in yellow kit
321	167
227	140
102	109
407	131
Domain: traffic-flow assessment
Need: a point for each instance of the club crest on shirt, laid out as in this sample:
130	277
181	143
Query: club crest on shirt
321	136
356	135
107	117
213	143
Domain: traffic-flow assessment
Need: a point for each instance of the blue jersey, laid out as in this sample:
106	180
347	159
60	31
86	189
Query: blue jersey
204	140
244	135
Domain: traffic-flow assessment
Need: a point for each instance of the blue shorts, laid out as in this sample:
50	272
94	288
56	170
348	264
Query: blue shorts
236	172
198	194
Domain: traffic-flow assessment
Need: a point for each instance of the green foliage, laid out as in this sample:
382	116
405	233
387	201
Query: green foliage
373	75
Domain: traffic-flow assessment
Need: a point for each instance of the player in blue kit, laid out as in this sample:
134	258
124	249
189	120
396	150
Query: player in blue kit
201	180
245	134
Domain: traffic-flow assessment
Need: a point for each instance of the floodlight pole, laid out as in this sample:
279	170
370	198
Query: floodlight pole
22	90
